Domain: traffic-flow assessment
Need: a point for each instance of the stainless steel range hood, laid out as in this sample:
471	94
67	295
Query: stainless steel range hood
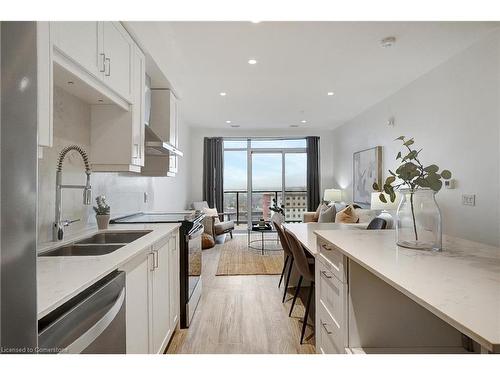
155	146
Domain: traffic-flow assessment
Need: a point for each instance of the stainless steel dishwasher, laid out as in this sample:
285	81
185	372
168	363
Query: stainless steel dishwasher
91	322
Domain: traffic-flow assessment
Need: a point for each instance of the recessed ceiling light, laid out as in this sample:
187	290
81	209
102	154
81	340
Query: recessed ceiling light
228	121
303	121
330	93
294	126
234	126
255	21
388	42
222	93
252	61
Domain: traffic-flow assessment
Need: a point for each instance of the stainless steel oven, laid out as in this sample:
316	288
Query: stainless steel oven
191	290
190	254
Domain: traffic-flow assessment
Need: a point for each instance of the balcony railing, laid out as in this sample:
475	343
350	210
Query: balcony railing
235	201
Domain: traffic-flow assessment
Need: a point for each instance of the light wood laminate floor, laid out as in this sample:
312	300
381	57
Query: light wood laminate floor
241	314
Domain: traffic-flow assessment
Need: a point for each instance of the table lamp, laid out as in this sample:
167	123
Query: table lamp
332	195
377	204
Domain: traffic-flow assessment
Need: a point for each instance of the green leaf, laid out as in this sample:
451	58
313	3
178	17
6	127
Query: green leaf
400	138
436	185
392	196
399	155
375	186
388	189
422	182
409	142
389	180
446	174
433	168
382	198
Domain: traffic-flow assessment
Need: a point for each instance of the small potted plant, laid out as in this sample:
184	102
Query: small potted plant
102	212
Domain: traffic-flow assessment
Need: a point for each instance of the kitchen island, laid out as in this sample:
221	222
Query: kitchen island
373	296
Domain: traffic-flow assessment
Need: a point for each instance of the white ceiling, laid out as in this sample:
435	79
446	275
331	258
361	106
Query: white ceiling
298	63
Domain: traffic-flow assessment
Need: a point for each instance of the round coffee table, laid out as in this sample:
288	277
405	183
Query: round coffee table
262	229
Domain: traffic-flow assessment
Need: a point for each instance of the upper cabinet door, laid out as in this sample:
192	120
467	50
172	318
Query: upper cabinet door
118	52
138	108
80	41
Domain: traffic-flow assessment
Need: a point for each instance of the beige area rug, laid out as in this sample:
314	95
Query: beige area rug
237	259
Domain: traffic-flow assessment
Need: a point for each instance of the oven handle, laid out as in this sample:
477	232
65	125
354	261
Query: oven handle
198	232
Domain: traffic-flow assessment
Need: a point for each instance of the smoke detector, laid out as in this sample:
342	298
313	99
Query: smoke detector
388	42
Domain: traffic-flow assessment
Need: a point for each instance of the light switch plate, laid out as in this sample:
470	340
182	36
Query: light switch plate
469	199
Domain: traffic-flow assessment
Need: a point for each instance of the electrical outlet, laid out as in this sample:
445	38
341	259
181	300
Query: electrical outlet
469	199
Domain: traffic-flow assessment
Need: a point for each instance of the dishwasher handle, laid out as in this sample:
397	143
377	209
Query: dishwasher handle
82	342
93	321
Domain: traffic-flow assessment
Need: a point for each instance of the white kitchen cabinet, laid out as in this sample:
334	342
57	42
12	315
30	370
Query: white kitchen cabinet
44	84
138	299
118	50
112	128
103	49
153	296
174	281
82	43
161	297
139	106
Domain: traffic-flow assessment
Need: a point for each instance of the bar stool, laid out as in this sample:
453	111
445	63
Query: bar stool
289	257
306	271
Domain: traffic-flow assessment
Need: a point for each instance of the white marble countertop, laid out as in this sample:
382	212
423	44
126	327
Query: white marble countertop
305	232
461	284
61	278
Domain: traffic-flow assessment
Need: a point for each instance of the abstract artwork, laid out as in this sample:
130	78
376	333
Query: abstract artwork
367	169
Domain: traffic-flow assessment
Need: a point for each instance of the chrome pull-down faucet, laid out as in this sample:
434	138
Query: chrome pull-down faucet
58	232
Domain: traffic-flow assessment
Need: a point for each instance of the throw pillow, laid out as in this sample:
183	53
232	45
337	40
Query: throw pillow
318	211
212	212
327	215
347	215
364	215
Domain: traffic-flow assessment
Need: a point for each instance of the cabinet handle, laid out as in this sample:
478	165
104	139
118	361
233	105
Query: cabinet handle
103	55
108	60
324	246
152	262
325	328
136	150
324	273
157	259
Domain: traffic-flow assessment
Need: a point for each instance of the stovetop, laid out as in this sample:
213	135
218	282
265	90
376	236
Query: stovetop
158	217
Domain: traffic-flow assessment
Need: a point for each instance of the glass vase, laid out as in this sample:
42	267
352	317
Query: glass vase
418	220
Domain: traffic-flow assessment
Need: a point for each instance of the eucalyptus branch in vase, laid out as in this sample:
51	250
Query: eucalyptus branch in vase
411	174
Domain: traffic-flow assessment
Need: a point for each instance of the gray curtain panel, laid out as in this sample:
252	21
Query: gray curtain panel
213	181
313	173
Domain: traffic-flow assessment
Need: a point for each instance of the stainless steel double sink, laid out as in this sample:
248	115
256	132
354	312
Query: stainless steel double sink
98	244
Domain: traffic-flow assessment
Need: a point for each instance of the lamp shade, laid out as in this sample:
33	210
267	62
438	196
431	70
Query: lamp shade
377	204
332	195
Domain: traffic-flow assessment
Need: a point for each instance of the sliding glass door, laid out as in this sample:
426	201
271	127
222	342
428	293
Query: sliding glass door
266	183
258	170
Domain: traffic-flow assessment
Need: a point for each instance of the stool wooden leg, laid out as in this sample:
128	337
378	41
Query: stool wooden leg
283	271
287	279
295	295
311	291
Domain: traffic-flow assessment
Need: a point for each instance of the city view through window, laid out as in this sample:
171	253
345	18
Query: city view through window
278	171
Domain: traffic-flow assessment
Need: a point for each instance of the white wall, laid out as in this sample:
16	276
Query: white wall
453	114
197	135
124	191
